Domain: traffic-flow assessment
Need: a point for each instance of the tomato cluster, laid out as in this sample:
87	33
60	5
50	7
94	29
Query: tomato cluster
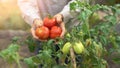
78	47
50	29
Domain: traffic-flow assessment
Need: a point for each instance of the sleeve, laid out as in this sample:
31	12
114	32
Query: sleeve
29	10
66	12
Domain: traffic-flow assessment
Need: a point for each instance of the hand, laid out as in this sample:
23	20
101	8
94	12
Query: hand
37	23
62	25
59	18
34	36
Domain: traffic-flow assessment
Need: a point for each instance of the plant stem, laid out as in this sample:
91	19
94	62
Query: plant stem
88	28
11	65
73	61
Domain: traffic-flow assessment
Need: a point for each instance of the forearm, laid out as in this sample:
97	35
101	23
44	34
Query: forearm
29	10
66	12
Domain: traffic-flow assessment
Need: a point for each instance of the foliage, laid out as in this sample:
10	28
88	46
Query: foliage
102	35
11	55
100	40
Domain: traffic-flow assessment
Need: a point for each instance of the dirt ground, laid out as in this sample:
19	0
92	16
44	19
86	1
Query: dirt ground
6	37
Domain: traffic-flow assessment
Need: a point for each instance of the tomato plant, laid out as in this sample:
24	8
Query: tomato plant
49	22
42	32
10	55
90	44
55	32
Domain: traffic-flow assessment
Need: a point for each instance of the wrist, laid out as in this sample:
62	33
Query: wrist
36	21
62	17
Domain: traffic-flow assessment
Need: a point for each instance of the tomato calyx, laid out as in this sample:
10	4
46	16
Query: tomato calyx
49	16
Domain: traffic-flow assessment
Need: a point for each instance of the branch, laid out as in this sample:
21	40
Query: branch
73	61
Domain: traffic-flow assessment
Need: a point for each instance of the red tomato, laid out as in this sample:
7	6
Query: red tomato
55	32
49	22
42	32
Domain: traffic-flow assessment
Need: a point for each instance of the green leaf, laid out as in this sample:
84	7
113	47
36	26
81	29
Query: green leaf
72	6
11	54
36	59
112	19
84	14
15	39
95	7
50	42
30	62
31	43
103	40
116	60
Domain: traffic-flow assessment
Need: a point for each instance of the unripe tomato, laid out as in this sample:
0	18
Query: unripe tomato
98	48
55	32
78	47
88	42
66	48
49	22
68	35
42	32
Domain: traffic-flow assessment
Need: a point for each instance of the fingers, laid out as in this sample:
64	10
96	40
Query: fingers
62	25
62	34
37	23
34	36
33	33
59	18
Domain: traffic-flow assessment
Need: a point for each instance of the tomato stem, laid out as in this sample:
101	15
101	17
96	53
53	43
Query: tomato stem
73	61
49	16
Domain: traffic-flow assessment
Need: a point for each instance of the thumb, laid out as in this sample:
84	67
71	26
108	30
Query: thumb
33	33
58	18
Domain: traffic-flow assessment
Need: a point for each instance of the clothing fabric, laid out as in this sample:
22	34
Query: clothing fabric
38	9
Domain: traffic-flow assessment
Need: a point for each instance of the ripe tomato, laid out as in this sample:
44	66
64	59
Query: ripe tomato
42	32
49	22
55	32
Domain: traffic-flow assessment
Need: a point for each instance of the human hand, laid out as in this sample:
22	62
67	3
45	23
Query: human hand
59	18
62	25
36	24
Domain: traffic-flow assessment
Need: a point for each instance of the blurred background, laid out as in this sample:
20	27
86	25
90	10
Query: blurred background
10	17
12	25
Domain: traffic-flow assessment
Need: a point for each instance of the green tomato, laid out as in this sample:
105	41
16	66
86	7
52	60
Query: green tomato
88	42
68	35
98	48
78	47
66	48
